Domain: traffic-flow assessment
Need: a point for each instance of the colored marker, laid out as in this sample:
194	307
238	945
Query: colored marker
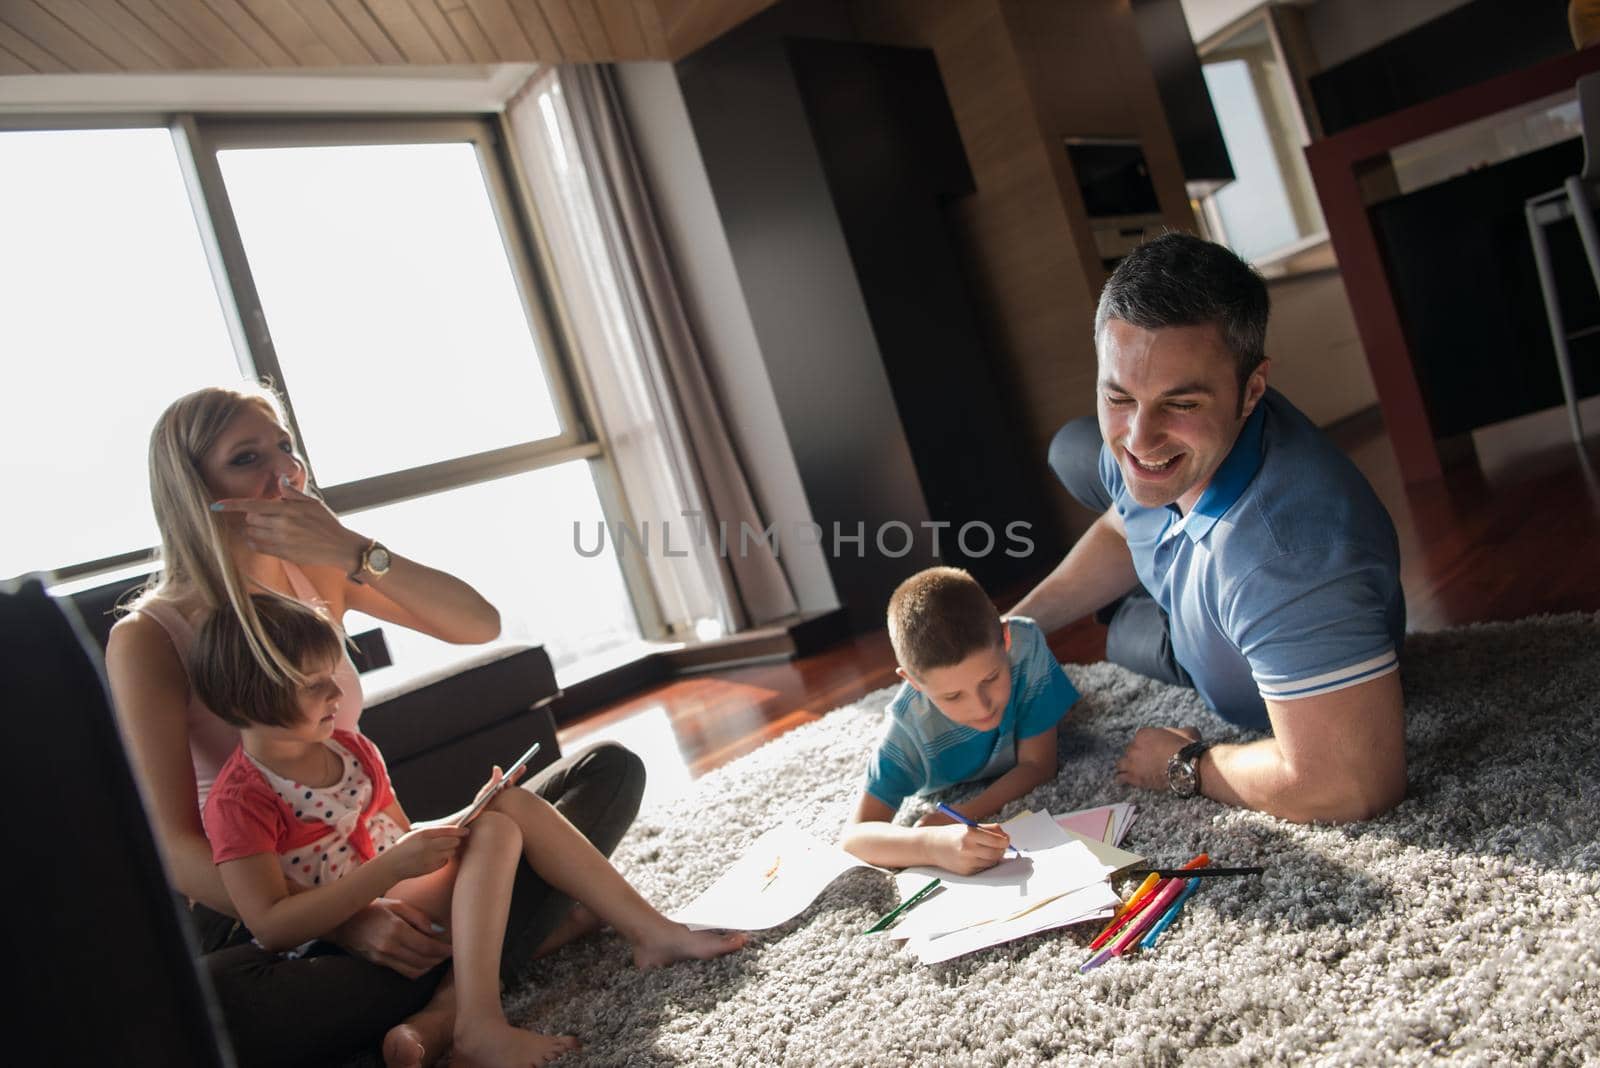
1137	903
1117	918
1165	921
909	903
1148	917
959	818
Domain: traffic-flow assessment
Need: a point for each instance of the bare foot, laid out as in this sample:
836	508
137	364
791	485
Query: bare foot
675	942
504	1046
420	1041
578	921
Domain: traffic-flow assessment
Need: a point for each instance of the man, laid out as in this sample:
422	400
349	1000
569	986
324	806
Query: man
1264	571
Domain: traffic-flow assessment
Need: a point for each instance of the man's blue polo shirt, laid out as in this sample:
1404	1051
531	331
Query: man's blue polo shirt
1283	582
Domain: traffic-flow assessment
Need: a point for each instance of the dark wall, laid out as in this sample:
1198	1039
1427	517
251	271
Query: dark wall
1468	292
1470	44
894	161
807	308
831	162
1185	98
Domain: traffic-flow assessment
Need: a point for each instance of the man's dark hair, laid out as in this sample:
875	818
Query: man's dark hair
1181	280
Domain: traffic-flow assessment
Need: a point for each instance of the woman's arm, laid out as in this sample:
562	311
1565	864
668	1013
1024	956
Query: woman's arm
150	692
301	529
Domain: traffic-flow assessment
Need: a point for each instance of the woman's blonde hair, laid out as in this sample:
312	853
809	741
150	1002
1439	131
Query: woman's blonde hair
195	560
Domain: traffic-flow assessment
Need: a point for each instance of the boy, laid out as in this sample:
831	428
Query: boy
981	699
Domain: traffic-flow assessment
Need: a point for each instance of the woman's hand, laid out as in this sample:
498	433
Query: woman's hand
394	935
296	527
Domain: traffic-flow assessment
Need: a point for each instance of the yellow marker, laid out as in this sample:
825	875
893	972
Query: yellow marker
1139	895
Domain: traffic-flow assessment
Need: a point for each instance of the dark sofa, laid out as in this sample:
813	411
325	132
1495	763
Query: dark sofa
94	923
439	733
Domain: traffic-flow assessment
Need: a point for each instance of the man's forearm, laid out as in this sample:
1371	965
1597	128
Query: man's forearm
1256	775
1097	571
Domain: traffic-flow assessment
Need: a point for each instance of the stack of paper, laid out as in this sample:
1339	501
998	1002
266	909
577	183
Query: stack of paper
1063	879
1108	823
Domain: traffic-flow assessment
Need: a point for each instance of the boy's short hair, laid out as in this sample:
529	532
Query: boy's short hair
939	617
228	677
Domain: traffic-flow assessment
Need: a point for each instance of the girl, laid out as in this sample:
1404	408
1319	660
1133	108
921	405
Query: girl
302	802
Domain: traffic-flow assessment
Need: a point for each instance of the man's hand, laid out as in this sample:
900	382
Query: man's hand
1144	764
395	935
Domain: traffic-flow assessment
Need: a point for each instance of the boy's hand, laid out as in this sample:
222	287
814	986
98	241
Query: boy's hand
965	850
935	818
424	850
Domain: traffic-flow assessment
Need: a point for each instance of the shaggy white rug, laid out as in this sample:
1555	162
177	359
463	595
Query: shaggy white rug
1463	925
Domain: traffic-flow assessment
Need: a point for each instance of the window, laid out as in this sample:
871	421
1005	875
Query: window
380	273
1270	209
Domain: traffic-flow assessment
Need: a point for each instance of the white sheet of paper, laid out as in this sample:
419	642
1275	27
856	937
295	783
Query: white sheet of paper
1095	902
781	873
1056	863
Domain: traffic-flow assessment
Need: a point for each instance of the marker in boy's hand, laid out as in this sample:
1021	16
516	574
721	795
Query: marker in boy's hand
966	850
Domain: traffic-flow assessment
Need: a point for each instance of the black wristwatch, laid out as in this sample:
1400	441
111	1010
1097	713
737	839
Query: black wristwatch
1183	769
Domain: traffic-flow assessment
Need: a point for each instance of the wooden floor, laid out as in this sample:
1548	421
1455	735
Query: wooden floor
1515	533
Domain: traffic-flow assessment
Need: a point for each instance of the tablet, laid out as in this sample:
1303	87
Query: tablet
510	773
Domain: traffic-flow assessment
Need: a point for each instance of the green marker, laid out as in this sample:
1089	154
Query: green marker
909	902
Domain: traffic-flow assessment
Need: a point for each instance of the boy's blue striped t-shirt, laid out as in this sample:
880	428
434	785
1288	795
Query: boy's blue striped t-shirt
923	751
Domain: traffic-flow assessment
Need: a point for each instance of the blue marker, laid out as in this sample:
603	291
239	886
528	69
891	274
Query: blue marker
1172	913
959	818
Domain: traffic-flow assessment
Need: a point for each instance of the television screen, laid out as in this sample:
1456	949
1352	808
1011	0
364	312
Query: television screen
1113	177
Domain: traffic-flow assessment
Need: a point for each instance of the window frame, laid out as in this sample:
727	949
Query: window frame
198	136
1285	33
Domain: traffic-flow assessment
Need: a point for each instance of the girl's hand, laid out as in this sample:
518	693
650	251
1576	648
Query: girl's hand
423	850
296	527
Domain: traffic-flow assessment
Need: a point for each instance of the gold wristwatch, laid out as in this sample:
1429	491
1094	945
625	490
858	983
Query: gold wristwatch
373	563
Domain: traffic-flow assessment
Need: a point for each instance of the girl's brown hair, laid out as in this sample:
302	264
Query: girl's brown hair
231	681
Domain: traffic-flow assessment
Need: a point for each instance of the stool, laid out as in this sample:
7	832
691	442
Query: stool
1574	200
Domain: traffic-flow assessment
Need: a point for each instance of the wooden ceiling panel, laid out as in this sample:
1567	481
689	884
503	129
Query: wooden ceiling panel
203	24
449	41
254	34
291	32
622	28
406	30
49	36
162	52
569	36
503	29
373	36
334	32
174	33
593	28
57	38
106	38
467	27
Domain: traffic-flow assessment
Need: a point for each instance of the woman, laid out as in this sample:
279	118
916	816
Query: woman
235	517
